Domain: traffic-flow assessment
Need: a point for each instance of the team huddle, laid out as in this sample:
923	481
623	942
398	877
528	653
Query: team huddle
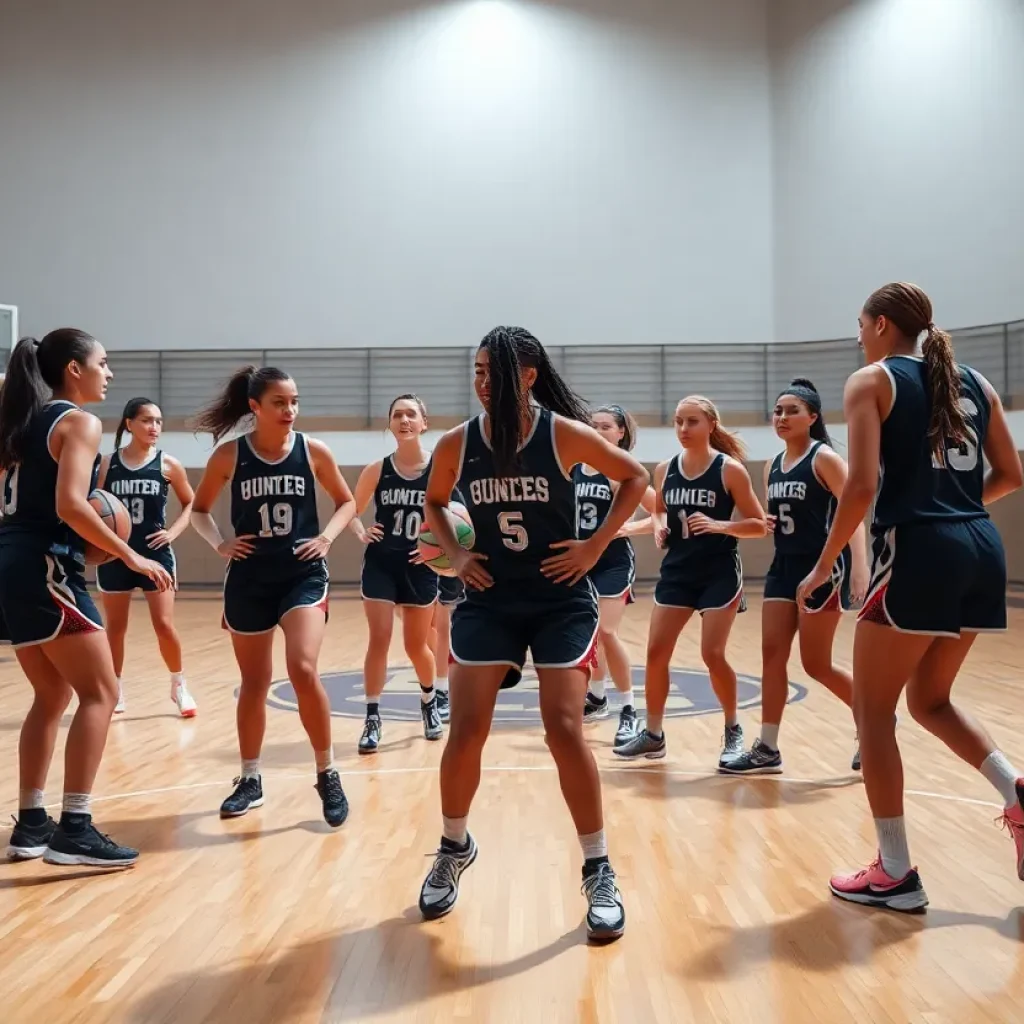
548	492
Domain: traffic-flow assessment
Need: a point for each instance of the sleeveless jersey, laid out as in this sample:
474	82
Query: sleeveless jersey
683	496
915	487
594	498
274	501
802	505
517	518
398	501
30	489
144	492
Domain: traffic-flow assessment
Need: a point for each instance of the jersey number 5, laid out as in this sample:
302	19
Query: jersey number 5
282	520
514	535
965	458
786	524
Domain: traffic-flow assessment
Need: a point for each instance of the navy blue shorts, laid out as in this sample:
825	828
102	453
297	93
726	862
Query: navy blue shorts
450	590
614	579
787	572
558	627
116	578
939	577
42	596
390	576
715	583
257	596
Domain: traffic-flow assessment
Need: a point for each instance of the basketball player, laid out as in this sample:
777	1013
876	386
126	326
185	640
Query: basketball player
527	590
49	450
939	574
802	484
140	474
698	490
390	578
614	574
277	565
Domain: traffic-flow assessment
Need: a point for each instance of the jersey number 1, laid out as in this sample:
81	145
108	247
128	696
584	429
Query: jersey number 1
282	520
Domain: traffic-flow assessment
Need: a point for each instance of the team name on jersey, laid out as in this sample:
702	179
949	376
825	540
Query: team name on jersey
403	496
693	496
492	490
598	490
270	486
128	487
793	489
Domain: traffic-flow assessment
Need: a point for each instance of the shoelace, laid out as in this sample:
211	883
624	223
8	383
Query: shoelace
599	888
1011	826
372	728
332	787
443	872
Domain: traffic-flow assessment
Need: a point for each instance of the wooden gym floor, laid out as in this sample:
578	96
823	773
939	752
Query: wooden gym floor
273	917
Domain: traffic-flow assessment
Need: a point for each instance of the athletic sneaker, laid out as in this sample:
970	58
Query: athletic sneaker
760	759
606	917
628	726
643	744
432	728
30	841
122	705
1013	822
89	847
186	703
328	785
874	887
441	887
247	795
370	739
594	708
732	745
443	705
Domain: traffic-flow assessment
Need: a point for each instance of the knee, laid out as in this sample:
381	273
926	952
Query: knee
164	629
774	652
302	672
466	735
563	729
714	657
659	651
816	664
922	706
55	699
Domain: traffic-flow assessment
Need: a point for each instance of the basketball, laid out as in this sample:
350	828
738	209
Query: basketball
431	550
115	517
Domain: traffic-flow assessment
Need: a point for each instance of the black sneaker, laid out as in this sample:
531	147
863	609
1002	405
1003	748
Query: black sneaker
855	763
88	847
628	726
30	841
441	886
606	918
758	760
247	795
328	785
370	739
443	705
432	728
594	708
643	744
732	746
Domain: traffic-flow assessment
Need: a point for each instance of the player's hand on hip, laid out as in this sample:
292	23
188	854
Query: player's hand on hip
237	549
817	577
373	534
159	540
571	564
469	568
316	547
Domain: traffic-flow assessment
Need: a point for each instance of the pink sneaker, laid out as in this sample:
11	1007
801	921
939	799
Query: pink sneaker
873	887
1013	822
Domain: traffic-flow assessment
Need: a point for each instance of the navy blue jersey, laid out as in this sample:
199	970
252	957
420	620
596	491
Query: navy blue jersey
517	518
144	493
274	501
594	496
30	489
399	500
683	496
915	486
802	505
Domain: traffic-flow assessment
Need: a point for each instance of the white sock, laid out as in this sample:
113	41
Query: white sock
770	735
441	685
1002	775
325	759
596	688
731	721
653	724
77	803
594	845
31	799
251	769
454	829
627	697
426	693
892	846
177	679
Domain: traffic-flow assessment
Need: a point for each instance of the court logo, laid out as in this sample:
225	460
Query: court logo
690	694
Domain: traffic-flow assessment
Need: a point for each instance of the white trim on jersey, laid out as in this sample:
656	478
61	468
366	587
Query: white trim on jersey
66	412
567	473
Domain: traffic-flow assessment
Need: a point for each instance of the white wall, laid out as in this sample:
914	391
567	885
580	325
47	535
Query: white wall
898	154
253	173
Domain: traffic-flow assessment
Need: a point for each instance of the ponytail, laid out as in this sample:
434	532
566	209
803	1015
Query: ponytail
34	371
509	349
131	410
720	439
625	422
804	391
222	415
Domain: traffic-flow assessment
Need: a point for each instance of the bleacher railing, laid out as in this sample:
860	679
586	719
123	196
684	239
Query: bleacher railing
356	385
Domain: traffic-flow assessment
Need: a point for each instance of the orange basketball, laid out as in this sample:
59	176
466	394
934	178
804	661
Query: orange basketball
116	518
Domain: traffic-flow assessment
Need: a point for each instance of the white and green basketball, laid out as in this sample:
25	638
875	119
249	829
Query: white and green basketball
431	551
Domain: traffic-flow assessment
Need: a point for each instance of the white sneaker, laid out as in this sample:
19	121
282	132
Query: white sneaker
187	706
121	706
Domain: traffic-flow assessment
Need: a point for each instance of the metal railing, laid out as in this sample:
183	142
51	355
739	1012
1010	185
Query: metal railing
356	385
